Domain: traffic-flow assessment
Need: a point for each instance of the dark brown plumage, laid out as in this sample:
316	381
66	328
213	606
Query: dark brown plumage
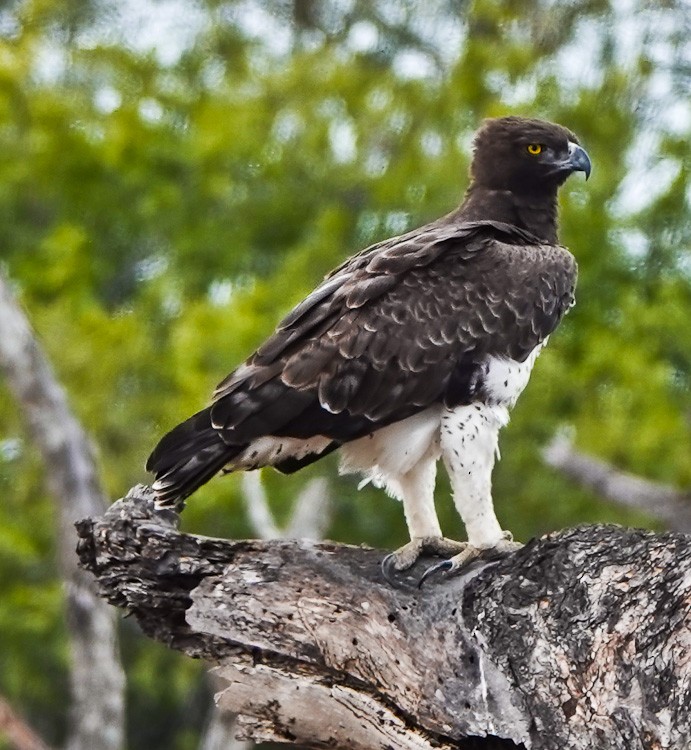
406	324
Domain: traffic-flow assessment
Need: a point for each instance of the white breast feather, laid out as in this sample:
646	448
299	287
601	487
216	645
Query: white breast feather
505	378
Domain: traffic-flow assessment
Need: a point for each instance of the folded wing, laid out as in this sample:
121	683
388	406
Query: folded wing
400	326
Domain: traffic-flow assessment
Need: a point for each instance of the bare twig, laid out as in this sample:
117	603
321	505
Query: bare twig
312	512
257	506
310	516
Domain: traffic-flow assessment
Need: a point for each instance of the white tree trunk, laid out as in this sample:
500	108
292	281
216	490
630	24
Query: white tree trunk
97	709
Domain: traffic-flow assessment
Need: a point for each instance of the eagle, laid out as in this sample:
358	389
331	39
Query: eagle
412	350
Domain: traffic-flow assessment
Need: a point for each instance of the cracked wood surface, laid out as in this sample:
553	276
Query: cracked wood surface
581	639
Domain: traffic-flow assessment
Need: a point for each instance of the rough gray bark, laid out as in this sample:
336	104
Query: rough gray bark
582	639
97	709
668	504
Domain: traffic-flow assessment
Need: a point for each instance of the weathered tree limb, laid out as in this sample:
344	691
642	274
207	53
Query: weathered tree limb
308	520
221	728
98	695
668	504
582	639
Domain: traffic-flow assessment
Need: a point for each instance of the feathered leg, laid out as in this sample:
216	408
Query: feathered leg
415	489
469	445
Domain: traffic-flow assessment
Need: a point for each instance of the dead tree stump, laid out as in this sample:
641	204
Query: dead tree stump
581	639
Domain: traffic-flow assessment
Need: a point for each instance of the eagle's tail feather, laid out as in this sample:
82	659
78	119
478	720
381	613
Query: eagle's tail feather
186	458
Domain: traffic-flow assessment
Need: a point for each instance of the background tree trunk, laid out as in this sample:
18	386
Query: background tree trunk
98	705
582	639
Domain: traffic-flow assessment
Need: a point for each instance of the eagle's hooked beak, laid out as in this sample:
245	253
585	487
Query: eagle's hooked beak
578	160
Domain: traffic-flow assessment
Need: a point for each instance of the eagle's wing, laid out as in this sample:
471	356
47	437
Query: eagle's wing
396	328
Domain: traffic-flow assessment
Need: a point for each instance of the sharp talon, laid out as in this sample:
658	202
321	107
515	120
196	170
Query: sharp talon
387	569
442	567
395	563
392	575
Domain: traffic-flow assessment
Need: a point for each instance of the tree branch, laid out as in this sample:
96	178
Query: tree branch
308	520
579	640
17	732
221	728
97	711
668	504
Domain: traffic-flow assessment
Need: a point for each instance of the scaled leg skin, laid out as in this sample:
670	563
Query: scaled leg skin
469	444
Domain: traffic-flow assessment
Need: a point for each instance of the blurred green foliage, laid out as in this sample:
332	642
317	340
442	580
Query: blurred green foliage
159	213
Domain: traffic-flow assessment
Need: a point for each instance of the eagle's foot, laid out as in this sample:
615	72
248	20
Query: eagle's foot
407	555
470	552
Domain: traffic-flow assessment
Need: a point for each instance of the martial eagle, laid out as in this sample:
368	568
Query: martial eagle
413	349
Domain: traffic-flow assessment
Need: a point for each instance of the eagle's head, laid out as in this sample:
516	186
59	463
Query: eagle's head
530	156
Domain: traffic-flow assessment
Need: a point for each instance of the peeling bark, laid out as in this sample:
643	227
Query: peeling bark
581	639
221	728
308	520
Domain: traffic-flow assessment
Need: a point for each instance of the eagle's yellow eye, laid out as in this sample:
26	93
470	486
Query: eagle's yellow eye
534	149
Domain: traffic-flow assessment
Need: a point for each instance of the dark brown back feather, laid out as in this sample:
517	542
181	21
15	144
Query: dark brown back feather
382	337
